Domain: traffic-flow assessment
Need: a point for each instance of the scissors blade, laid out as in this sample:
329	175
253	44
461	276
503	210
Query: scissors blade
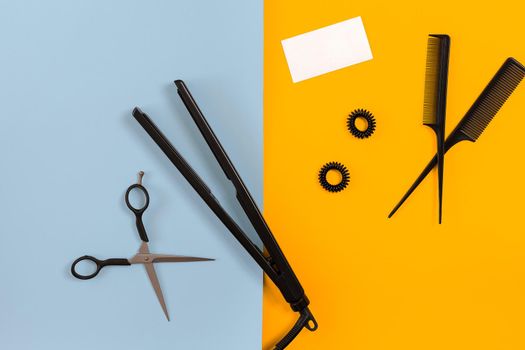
150	269
144	249
166	258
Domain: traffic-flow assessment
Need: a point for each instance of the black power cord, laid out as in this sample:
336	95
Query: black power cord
306	320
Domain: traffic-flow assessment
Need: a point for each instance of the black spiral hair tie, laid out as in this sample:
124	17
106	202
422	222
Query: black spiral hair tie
366	115
340	168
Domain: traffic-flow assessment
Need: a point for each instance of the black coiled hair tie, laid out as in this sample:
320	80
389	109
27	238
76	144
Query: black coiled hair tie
341	169
363	114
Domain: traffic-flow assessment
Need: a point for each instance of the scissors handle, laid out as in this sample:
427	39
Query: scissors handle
99	263
140	228
139	211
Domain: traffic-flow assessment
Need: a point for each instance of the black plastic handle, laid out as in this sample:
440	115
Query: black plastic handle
139	211
455	137
99	263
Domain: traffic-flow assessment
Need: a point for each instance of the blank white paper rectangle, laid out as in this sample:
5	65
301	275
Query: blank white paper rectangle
327	49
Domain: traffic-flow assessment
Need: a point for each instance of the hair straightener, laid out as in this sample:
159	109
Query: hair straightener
272	260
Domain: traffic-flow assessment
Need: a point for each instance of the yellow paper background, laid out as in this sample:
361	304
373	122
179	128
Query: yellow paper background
402	283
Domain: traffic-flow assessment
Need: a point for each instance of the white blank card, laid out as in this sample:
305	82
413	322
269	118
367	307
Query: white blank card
327	49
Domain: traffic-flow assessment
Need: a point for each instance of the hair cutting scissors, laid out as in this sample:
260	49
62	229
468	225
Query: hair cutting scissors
143	256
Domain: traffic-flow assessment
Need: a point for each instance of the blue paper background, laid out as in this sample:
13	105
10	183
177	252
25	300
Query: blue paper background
70	74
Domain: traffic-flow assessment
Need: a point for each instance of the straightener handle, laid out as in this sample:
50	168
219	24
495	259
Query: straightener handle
306	320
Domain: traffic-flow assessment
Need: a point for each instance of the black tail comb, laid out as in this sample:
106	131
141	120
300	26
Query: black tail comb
435	106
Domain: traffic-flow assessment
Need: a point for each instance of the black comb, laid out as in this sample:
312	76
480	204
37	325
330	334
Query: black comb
434	111
479	115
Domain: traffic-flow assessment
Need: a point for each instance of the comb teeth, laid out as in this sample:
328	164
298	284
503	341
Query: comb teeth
492	98
431	80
